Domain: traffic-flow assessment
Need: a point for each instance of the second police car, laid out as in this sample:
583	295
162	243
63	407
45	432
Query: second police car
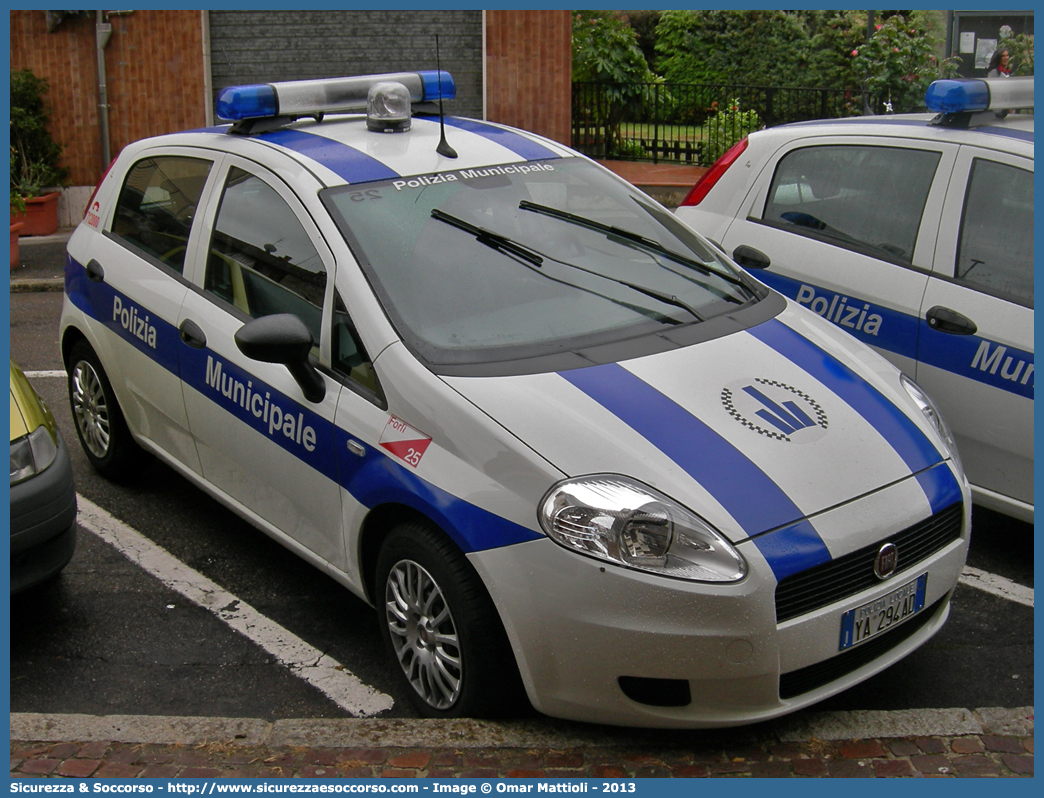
559	443
914	233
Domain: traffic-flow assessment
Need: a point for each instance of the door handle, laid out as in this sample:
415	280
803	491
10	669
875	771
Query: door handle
750	258
950	321
192	334
95	272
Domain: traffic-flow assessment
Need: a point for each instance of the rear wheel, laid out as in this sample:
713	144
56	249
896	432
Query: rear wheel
442	629
100	425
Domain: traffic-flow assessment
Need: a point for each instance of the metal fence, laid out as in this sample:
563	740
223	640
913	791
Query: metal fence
692	124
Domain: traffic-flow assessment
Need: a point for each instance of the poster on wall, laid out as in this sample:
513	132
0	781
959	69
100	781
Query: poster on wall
983	51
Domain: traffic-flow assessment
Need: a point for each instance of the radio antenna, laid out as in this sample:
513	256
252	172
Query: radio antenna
444	148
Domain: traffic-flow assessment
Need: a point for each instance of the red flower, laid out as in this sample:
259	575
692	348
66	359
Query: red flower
855	53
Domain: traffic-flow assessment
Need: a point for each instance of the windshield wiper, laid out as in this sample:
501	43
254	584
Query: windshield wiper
502	243
492	240
612	231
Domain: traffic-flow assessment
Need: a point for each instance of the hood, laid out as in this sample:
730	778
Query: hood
752	431
27	411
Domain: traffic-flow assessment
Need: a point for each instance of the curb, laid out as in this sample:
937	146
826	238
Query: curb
415	733
32	286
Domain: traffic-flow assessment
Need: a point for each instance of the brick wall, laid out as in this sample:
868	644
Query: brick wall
155	69
154	65
528	69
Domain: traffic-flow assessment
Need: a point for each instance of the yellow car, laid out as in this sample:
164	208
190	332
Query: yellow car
43	499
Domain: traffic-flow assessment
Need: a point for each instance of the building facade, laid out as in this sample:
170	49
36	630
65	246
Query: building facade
159	71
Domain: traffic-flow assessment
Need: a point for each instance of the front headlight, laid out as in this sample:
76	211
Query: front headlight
622	521
31	454
931	412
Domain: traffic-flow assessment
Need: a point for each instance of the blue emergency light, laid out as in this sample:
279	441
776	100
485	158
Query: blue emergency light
334	95
974	95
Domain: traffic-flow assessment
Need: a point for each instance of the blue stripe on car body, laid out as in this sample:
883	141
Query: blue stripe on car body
353	165
969	356
793	549
382	479
713	462
729	475
520	145
1021	135
896	331
940	486
980	359
905	437
98	300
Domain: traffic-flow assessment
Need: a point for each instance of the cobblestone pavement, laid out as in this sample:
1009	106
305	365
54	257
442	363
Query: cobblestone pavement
223	748
925	756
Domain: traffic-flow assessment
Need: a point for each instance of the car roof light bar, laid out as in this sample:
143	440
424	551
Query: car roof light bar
957	100
327	96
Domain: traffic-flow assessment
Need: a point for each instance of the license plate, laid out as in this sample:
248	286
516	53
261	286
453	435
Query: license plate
880	615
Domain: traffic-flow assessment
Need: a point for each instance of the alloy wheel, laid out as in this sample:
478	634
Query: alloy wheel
91	409
423	634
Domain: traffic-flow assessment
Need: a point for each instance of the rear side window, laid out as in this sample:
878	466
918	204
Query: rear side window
865	198
995	253
157	204
261	260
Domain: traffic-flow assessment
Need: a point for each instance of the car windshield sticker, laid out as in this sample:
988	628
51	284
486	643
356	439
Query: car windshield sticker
404	441
424	181
93	215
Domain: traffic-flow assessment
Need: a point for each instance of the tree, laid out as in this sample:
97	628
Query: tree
739	48
606	52
35	156
898	63
1020	49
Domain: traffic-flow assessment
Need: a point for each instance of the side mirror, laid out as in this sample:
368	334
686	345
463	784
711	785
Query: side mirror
283	338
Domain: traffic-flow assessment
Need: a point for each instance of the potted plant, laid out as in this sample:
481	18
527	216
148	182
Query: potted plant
36	176
17	207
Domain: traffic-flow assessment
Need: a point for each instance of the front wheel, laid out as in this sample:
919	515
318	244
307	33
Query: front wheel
99	421
442	629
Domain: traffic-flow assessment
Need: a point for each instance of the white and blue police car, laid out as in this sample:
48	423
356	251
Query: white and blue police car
566	449
914	233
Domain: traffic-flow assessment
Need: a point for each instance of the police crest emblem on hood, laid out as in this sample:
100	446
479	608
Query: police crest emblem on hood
775	410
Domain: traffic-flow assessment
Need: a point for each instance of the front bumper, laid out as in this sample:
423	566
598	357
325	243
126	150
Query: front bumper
605	644
43	523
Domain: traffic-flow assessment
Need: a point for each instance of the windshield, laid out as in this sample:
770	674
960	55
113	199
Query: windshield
521	260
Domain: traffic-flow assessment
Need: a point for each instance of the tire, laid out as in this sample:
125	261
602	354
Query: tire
440	626
96	413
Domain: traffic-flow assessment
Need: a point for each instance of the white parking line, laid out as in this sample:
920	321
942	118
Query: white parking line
312	665
997	585
35	374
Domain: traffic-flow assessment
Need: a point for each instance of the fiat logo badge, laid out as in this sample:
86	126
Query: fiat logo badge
887	558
